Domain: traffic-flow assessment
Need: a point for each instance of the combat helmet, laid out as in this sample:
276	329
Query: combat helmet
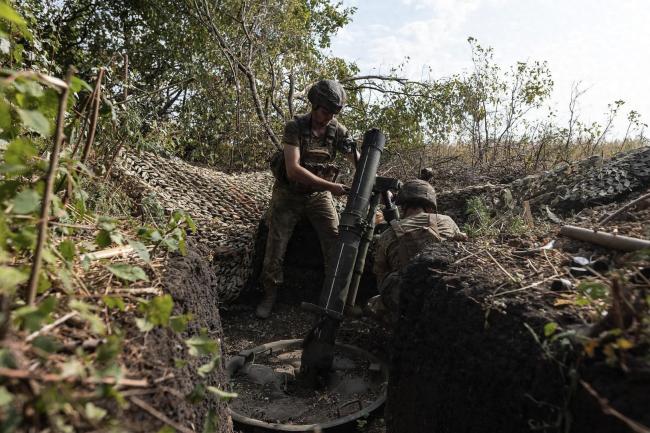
416	192
328	94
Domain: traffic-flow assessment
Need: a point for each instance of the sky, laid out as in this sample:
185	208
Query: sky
603	44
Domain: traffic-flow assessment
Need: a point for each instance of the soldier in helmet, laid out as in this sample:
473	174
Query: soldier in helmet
405	238
305	182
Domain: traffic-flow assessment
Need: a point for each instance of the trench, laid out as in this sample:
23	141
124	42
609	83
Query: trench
455	365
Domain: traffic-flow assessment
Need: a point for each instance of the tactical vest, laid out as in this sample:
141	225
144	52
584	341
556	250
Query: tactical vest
316	154
413	239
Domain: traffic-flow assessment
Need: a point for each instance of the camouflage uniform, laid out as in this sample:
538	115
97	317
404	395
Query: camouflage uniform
290	201
401	242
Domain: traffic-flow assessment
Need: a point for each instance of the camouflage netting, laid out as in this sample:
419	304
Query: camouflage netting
566	188
227	209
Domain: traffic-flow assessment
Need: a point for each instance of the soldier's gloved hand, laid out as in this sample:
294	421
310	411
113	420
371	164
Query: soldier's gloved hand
339	189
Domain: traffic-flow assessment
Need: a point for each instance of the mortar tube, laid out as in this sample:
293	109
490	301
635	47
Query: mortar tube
352	224
318	345
360	263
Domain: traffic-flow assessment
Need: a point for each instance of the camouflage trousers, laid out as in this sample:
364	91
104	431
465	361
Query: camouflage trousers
286	209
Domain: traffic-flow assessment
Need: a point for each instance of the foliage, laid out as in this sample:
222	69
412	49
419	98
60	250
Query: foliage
480	220
29	103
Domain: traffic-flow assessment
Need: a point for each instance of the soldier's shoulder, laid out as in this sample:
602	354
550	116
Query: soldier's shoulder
298	120
386	237
442	220
340	128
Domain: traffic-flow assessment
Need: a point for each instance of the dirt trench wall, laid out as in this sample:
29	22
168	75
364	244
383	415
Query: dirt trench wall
190	281
456	369
460	365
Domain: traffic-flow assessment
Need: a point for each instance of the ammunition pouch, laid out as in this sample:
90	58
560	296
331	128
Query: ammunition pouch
329	172
278	169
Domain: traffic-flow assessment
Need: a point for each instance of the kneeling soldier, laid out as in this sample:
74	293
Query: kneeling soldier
404	239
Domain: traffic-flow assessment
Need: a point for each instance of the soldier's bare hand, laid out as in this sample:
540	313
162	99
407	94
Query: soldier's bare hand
339	189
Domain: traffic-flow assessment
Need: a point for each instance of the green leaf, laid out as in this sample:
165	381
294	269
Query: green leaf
103	239
5	110
170	243
47	344
141	250
202	345
190	223
180	363
5	397
77	84
208	368
211	423
26	202
32	317
25	238
143	324
114	302
116	237
43	283
128	272
182	247
157	310
35	121
94	413
223	395
73	368
550	328
593	289
9	14
11	277
106	223
167	429
67	250
179	323
86	312
197	394
7	359
110	349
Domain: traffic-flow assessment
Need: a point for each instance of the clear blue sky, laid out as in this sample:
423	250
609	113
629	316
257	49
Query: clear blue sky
604	44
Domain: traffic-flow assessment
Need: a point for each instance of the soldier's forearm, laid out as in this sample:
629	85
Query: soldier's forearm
302	175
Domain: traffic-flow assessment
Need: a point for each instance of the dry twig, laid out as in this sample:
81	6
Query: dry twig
514	280
624	208
161	416
51	326
609	410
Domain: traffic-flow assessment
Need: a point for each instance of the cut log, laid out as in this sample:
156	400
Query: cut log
608	240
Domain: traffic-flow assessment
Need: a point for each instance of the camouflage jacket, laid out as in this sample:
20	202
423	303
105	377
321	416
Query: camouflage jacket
408	237
317	153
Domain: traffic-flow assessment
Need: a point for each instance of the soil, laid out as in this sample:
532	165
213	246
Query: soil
303	282
470	352
270	389
189	280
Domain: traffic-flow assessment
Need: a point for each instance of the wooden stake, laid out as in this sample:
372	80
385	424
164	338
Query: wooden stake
124	102
93	120
49	186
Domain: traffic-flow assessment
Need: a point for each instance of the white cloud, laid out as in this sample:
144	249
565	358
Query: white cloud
599	42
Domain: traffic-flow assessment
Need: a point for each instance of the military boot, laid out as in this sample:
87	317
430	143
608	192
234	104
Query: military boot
263	310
